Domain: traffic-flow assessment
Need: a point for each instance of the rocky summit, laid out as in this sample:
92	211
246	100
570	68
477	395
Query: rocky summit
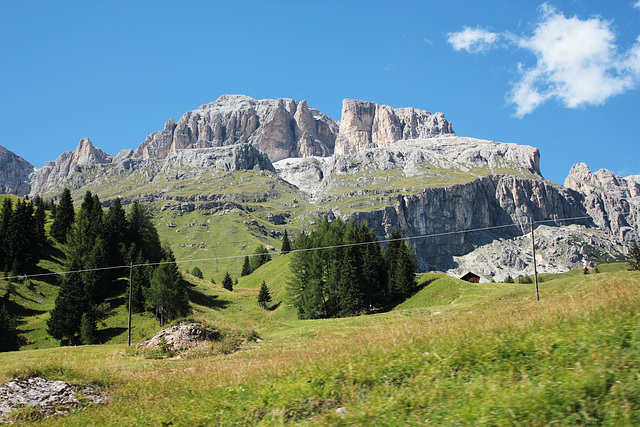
465	203
14	173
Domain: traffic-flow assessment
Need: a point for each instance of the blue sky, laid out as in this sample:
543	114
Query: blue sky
562	76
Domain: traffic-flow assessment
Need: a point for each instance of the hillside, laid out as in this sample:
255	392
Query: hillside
235	173
455	353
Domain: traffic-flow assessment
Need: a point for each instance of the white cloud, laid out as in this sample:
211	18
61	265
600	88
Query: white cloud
577	63
472	39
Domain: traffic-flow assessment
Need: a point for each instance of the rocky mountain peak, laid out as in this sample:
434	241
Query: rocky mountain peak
14	173
366	124
581	179
51	174
279	127
87	154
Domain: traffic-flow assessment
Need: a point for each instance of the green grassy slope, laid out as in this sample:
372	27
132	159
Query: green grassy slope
455	354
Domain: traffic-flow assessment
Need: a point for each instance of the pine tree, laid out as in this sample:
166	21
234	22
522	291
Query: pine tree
374	274
286	244
633	264
40	218
350	284
508	279
264	296
9	336
405	278
87	329
227	282
115	229
5	226
66	317
167	294
141	278
143	233
261	256
391	256
22	239
63	218
197	273
246	267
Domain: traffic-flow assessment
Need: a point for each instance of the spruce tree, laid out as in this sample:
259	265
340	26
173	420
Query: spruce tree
115	228
167	295
406	272
143	233
63	218
66	317
9	336
374	272
392	255
197	273
141	278
246	267
227	282
22	239
264	296
5	226
350	283
40	218
261	256
633	264
286	244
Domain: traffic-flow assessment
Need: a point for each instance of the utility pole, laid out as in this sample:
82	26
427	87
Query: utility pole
130	293
535	270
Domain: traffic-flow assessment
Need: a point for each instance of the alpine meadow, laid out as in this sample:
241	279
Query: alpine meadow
304	213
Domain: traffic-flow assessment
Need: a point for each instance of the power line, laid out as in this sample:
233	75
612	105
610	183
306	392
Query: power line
423	236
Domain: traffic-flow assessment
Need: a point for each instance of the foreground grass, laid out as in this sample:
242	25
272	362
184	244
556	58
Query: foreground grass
501	359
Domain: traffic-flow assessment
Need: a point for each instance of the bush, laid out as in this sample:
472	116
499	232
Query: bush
197	273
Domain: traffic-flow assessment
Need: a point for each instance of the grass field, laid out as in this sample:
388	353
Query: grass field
454	354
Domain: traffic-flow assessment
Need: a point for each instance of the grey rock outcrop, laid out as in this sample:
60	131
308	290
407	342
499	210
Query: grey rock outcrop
281	128
180	337
558	249
52	174
498	205
612	201
183	165
14	173
368	125
47	397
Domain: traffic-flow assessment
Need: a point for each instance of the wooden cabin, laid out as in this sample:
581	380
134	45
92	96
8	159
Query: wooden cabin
471	278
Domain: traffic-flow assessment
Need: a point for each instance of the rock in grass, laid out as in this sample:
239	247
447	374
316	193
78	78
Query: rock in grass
180	337
46	397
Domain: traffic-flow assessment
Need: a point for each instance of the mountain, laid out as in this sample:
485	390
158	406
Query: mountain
14	173
281	128
52	174
246	169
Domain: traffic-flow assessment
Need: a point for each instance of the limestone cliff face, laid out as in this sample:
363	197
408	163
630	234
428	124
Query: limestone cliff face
612	201
502	205
281	128
53	174
14	173
368	125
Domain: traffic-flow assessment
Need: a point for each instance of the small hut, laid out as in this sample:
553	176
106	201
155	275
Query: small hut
471	278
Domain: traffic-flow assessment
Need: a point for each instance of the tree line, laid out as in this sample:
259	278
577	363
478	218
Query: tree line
352	275
95	241
22	234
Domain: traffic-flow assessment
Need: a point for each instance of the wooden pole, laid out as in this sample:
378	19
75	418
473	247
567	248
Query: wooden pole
130	298
535	270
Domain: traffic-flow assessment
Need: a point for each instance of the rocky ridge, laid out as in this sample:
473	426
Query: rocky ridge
369	125
281	128
52	174
14	173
